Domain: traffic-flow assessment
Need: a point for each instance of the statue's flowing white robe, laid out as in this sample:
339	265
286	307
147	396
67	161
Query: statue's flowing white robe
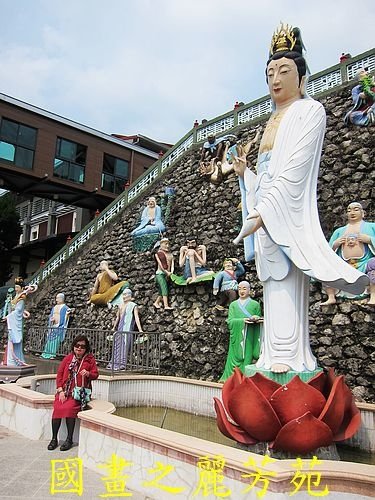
291	247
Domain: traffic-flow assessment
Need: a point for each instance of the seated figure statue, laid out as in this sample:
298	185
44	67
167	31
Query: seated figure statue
355	243
226	284
363	95
193	258
151	221
105	290
216	157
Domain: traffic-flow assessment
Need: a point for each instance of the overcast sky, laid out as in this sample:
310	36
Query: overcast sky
154	66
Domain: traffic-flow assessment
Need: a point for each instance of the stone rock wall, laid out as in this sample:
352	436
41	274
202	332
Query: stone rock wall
194	336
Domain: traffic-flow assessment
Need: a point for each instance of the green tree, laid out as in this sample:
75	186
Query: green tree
10	230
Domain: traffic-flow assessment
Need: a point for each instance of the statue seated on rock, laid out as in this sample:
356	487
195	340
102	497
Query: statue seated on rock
216	157
244	320
151	220
105	290
355	243
225	284
193	259
363	95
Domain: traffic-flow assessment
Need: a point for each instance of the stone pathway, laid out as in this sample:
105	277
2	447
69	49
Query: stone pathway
25	467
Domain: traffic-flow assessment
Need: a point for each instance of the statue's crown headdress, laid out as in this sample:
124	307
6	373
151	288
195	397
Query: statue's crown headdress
283	39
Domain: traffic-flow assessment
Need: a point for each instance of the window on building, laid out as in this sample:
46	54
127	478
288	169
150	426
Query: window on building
115	174
17	143
70	161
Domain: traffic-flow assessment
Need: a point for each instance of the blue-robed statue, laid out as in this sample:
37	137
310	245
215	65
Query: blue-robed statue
151	222
57	325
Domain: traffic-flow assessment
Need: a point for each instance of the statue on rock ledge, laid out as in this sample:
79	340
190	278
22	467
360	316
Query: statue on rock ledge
193	258
216	157
363	95
151	221
290	247
165	262
226	284
355	244
105	290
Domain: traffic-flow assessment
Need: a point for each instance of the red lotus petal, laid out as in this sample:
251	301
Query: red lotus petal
229	385
334	410
228	429
303	434
352	418
296	398
253	412
318	382
330	380
266	386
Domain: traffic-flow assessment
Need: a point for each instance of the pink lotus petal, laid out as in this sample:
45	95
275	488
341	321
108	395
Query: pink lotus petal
228	429
229	385
296	398
334	409
266	386
302	435
253	412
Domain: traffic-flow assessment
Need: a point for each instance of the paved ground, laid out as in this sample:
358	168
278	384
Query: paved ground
25	471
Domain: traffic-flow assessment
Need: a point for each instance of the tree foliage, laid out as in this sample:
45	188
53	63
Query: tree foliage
10	230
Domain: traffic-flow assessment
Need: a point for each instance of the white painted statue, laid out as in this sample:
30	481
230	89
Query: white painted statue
290	246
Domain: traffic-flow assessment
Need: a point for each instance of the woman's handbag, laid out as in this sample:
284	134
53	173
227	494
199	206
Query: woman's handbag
82	394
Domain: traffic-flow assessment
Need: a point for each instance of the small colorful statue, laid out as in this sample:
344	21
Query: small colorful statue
363	95
243	321
226	284
13	355
193	258
127	319
151	220
216	157
355	243
57	324
165	267
105	290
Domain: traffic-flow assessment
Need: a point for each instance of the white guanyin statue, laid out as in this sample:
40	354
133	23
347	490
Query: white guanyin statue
290	247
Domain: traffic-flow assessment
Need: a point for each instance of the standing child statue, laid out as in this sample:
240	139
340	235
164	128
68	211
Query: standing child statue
165	267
